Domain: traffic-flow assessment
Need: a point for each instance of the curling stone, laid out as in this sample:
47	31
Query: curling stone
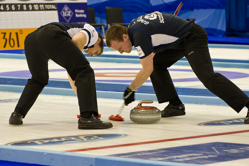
145	114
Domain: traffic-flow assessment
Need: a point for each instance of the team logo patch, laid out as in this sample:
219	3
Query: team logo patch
223	122
139	51
67	139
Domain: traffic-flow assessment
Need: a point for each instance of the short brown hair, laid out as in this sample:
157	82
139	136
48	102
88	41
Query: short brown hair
101	44
115	33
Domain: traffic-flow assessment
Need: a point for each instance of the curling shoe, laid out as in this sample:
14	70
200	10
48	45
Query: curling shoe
93	123
246	120
171	110
16	119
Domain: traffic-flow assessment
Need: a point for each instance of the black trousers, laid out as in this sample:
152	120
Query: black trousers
51	42
195	49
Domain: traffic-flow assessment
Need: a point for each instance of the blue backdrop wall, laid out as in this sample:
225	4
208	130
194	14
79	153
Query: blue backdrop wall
237	18
218	17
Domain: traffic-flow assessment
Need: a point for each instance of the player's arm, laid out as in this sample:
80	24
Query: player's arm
72	84
145	72
142	76
79	40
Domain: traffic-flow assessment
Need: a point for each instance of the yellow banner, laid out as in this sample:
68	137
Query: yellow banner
13	38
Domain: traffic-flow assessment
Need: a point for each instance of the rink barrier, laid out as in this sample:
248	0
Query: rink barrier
27	156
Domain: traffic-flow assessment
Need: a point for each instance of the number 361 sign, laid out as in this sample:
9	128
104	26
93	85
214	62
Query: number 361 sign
13	38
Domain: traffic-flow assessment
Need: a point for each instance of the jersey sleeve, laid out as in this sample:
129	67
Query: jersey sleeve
91	35
142	42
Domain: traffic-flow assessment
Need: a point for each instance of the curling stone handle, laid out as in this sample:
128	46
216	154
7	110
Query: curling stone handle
145	101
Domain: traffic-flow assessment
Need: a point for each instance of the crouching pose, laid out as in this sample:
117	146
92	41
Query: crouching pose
161	40
63	43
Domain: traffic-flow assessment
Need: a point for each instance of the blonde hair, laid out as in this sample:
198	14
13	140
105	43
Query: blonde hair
115	33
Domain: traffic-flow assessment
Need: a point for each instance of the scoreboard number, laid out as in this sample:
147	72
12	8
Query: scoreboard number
13	38
28	7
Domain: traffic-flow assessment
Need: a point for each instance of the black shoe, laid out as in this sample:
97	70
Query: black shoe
246	120
15	118
93	123
171	110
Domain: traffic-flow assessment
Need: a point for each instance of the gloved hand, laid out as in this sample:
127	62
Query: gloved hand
129	95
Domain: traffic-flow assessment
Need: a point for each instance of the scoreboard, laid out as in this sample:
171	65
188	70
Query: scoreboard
20	17
27	15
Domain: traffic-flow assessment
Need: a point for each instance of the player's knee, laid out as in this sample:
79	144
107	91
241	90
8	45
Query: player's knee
209	79
85	71
42	82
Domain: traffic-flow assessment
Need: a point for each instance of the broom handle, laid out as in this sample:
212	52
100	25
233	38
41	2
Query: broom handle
178	8
121	108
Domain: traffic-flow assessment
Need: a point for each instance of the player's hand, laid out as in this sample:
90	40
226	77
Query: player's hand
129	95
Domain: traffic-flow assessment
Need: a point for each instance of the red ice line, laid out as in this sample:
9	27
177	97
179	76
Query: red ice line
158	141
